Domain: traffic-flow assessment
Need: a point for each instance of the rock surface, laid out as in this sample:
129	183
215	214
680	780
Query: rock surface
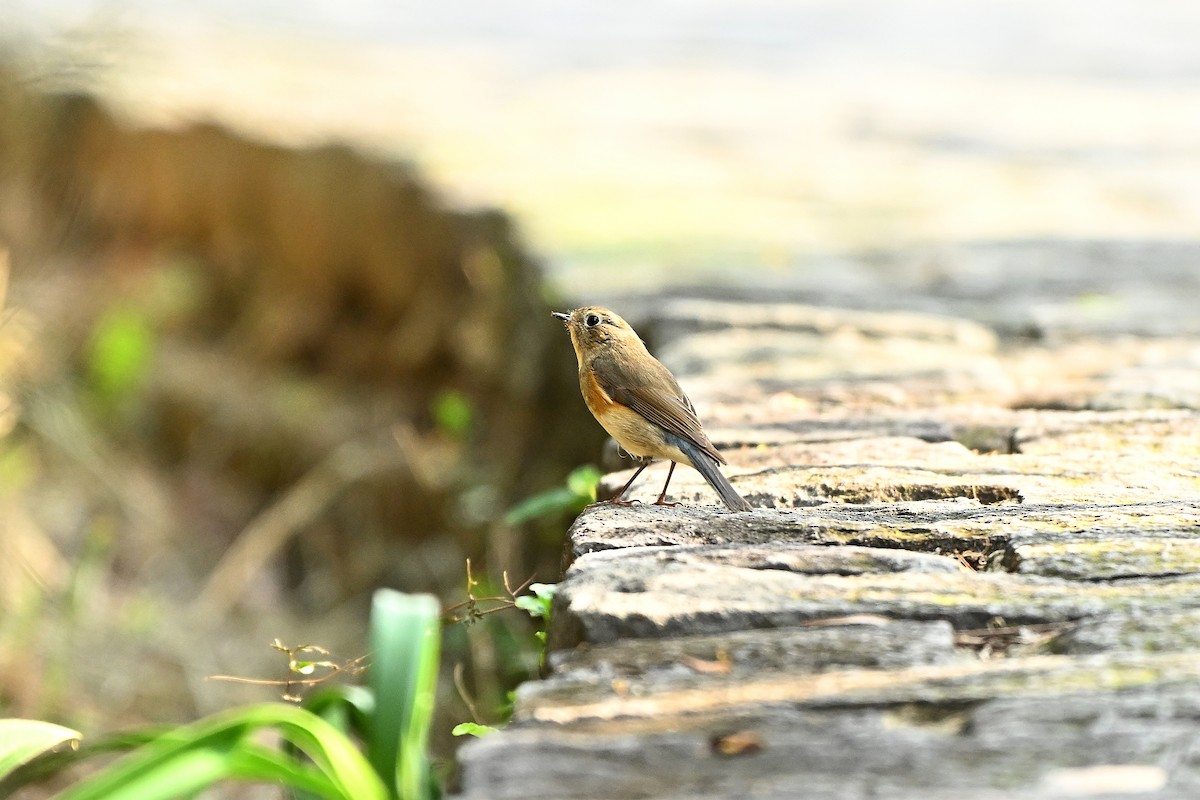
973	570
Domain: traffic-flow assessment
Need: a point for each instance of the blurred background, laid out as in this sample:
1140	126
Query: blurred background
277	276
687	136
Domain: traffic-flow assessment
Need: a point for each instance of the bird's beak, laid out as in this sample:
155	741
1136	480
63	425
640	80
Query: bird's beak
561	315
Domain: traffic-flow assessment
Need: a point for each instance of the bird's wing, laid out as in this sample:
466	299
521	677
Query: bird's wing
652	391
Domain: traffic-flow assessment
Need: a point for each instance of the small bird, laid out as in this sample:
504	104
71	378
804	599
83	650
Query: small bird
639	402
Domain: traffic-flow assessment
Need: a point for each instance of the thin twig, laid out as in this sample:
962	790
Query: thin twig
473	611
305	500
460	685
354	666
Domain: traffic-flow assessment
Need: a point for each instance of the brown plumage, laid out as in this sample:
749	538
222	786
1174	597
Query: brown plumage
639	402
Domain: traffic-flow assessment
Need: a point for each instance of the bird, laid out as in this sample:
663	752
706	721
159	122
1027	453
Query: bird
641	405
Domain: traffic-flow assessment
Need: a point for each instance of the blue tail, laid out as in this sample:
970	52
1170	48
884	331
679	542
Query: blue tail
707	467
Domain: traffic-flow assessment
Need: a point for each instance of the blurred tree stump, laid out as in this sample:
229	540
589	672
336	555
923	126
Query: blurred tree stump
298	300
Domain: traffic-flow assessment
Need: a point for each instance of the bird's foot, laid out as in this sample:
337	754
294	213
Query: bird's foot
664	503
616	501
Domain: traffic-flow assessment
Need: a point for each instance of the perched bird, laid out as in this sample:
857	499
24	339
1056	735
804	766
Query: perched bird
639	402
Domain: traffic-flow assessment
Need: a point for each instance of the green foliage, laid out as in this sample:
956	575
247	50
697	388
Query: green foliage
579	491
223	747
348	708
583	482
538	603
472	729
119	356
22	740
452	413
318	755
405	637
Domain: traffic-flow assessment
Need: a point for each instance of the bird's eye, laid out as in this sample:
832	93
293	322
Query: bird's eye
591	320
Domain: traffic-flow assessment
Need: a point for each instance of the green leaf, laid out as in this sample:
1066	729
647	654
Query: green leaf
121	349
574	497
22	740
263	764
539	601
188	759
452	413
177	763
472	729
530	604
583	481
347	708
56	761
405	644
543	504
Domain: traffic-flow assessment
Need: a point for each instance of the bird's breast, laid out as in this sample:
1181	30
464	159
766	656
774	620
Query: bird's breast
636	435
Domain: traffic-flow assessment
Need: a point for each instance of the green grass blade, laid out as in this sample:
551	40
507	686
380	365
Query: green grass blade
174	765
219	747
266	765
347	708
330	750
22	740
55	761
405	644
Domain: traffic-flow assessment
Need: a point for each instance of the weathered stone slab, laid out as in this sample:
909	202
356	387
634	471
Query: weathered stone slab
1029	729
947	526
899	525
685	319
659	593
1105	555
1053	488
1152	632
862	641
1040	289
1158	436
774	358
954	683
793	557
1102	463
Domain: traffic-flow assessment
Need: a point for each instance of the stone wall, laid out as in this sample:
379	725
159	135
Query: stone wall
973	569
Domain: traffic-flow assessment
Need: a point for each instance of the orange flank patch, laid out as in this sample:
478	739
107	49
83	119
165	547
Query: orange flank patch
598	401
636	435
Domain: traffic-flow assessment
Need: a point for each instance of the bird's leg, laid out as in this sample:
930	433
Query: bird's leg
663	493
616	500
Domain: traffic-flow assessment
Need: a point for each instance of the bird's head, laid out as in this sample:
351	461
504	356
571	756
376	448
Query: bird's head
594	329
